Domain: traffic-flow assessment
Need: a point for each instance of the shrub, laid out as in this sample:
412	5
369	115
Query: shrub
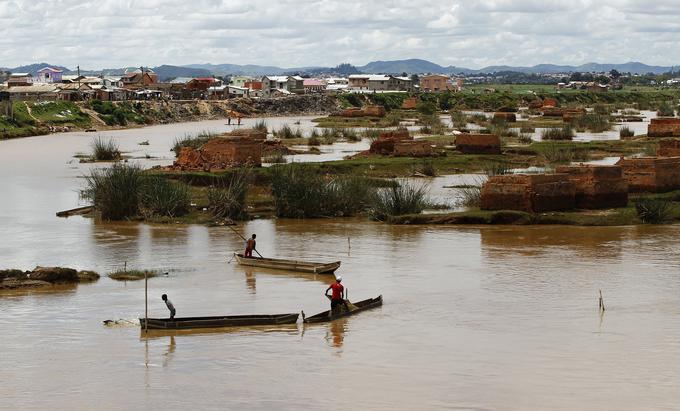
350	135
654	211
161	197
427	168
330	135
459	119
372	133
602	109
625	131
314	141
114	191
227	198
105	150
392	119
524	138
286	132
194	141
560	153
400	199
427	108
593	122
564	133
665	110
260	125
470	196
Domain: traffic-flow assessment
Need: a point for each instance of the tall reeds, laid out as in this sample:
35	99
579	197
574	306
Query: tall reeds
164	198
564	133
105	150
227	198
194	141
400	199
114	191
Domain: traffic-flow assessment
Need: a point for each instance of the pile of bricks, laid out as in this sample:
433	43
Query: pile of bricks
221	153
368	111
664	127
507	117
668	148
651	174
409	103
478	143
400	143
528	192
597	186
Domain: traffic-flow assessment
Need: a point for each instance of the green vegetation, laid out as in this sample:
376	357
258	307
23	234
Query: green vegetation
104	150
261	125
286	132
400	199
626	132
654	210
132	275
227	198
160	197
301	192
666	110
59	113
119	113
564	133
596	123
563	153
114	191
276	157
194	141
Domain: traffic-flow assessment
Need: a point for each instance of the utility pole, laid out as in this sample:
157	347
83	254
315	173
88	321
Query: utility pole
78	67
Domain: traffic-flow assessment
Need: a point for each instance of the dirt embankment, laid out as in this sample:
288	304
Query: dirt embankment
172	111
43	277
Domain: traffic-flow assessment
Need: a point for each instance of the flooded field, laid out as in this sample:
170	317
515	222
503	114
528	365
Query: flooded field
474	318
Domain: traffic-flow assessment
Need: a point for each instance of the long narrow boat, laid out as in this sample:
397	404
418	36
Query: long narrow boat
290	265
341	312
184	323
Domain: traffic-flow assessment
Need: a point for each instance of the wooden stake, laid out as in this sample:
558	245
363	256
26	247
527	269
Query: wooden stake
146	302
601	302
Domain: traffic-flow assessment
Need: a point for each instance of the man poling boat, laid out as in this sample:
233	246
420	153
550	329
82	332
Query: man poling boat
250	246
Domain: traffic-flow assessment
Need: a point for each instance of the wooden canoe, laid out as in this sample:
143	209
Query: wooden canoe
341	312
184	323
289	265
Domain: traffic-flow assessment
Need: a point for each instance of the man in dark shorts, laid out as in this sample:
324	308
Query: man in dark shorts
338	295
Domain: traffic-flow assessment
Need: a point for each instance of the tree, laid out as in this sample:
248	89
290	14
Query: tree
614	74
415	80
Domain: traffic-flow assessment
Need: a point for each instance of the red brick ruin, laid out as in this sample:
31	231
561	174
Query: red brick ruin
478	143
651	174
368	111
399	143
238	148
664	127
529	192
597	186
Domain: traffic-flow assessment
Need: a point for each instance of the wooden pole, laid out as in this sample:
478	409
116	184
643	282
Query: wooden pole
601	302
244	239
146	302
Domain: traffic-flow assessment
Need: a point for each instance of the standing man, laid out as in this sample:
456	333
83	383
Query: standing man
338	295
250	246
238	119
228	119
168	304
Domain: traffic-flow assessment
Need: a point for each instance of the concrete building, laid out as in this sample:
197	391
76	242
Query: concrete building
282	84
19	79
379	82
435	82
49	75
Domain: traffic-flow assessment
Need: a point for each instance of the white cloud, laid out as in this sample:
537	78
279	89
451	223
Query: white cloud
473	33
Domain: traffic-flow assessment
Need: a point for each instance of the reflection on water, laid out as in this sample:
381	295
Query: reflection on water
478	317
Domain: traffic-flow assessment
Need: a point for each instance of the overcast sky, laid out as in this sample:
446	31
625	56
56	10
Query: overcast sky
289	33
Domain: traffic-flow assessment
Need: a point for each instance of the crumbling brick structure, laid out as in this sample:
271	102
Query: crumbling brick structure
507	117
528	192
221	153
400	143
478	143
409	103
549	102
664	127
597	186
368	111
668	148
249	133
651	174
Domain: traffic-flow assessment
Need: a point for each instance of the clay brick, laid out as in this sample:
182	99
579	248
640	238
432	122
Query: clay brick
478	143
531	193
651	174
398	134
597	186
508	117
664	127
409	103
412	148
221	153
668	148
549	102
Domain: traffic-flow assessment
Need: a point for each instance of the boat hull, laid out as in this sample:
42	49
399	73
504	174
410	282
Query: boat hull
186	323
327	316
288	265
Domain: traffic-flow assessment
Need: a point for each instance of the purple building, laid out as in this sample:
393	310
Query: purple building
49	75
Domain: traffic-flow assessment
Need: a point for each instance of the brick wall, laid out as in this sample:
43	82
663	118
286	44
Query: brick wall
528	192
221	153
664	127
478	143
651	174
597	186
669	148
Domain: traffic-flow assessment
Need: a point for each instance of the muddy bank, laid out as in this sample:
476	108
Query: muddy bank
41	277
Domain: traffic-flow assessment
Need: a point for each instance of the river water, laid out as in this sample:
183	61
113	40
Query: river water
474	318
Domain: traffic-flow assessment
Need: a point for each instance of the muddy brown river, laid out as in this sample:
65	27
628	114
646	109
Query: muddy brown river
480	318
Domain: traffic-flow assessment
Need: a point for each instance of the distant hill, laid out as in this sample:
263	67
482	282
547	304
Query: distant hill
245	70
166	72
33	68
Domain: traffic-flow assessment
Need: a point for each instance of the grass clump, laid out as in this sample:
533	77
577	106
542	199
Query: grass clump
562	153
260	125
459	119
654	211
278	157
497	169
427	168
300	192
564	133
227	198
194	141
626	131
351	135
132	275
105	150
287	132
400	199
596	123
114	191
163	198
665	110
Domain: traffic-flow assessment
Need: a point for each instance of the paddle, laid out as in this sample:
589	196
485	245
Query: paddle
244	239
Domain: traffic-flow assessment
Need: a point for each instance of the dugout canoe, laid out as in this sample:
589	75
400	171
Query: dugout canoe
289	265
185	323
329	316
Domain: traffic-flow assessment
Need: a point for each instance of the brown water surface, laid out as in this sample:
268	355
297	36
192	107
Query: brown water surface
474	318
